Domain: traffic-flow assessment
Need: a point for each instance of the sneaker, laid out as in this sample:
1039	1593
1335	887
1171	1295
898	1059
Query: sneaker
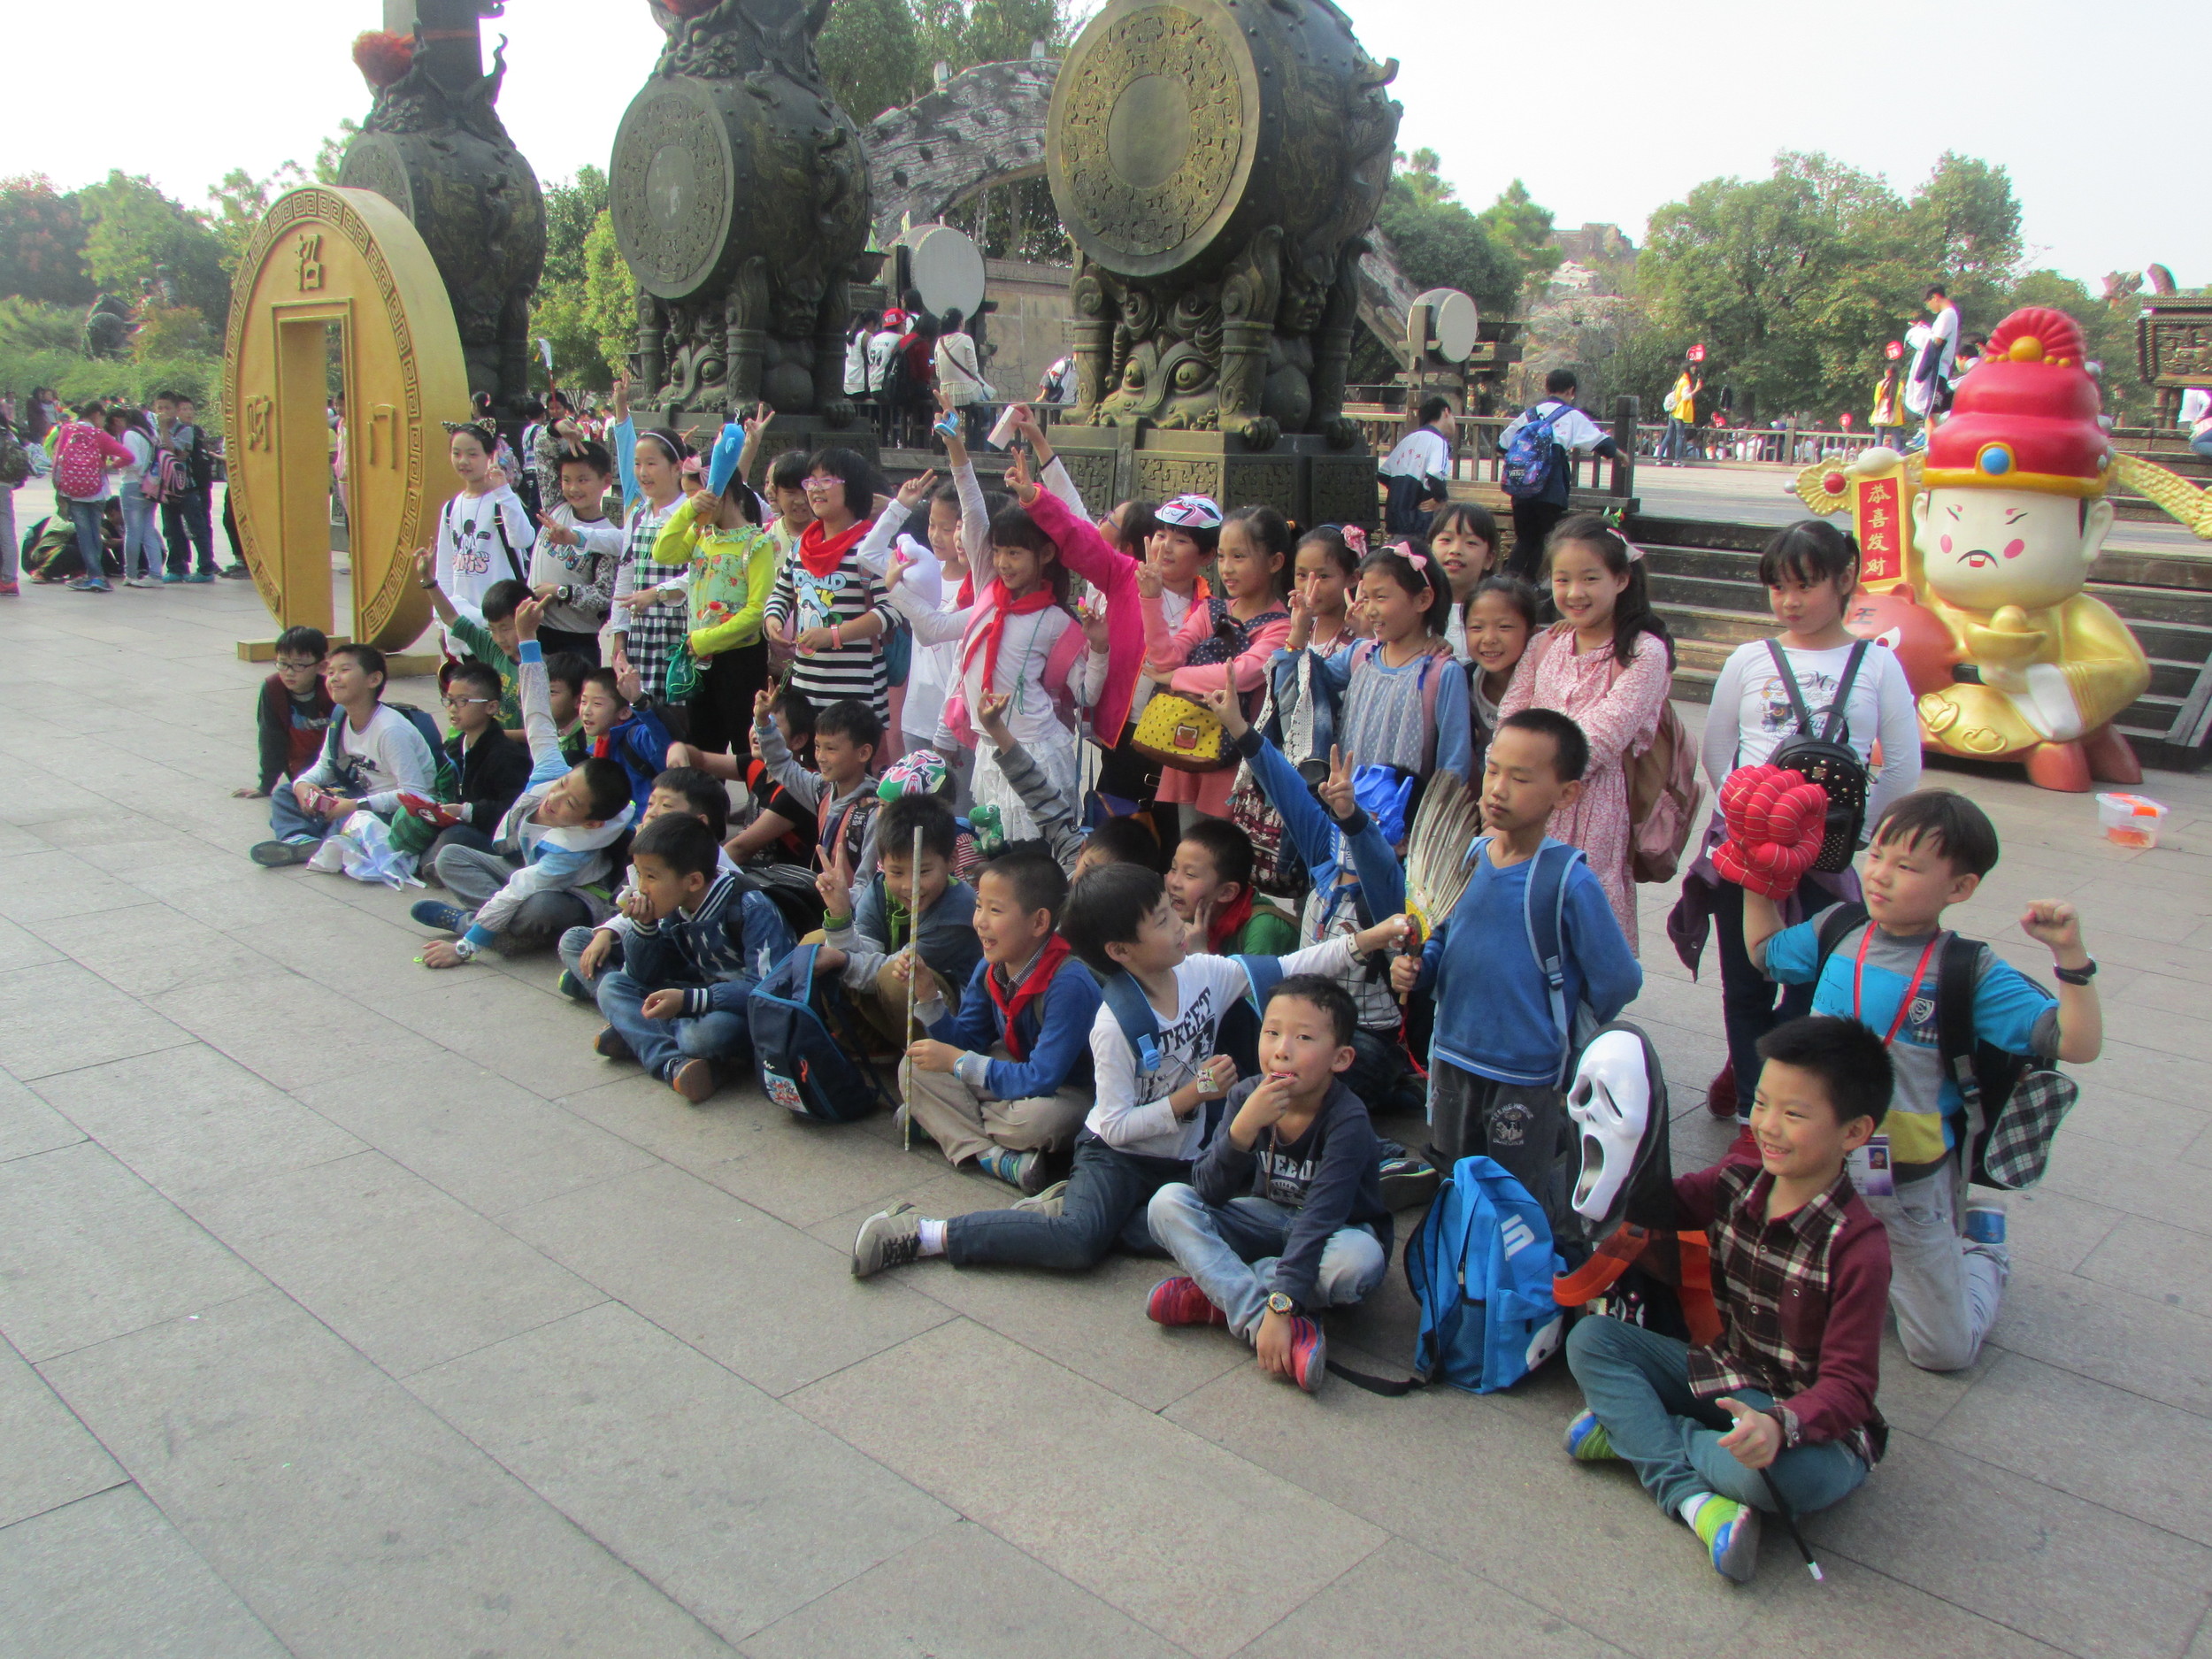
278	855
1720	1094
890	1238
1309	1354
574	988
10	590
91	585
235	573
168	577
1023	1170
1050	1201
140	581
693	1079
1730	1532
201	576
610	1045
447	917
1407	1181
1178	1300
1985	1223
1587	1440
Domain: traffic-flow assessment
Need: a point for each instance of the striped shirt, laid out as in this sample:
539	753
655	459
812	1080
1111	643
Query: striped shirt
840	599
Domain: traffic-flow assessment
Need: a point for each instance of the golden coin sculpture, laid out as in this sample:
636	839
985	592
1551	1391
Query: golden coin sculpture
325	258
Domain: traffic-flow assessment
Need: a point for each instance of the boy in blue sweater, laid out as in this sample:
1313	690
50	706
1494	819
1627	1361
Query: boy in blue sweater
904	904
699	941
1505	1027
1007	1080
1283	1214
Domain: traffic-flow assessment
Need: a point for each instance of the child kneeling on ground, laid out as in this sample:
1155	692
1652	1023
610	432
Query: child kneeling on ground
1007	1080
699	941
1283	1215
1781	1405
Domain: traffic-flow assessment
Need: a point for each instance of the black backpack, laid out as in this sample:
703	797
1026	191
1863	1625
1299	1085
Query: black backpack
1827	760
2014	1103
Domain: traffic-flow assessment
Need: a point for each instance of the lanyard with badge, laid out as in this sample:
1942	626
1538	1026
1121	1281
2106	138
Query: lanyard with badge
1869	1167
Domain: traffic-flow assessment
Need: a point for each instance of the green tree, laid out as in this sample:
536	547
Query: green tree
871	54
1522	229
571	207
236	206
561	311
1965	222
133	230
42	243
1441	244
330	154
610	295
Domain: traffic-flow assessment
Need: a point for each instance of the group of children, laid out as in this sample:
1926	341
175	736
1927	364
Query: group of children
1166	1009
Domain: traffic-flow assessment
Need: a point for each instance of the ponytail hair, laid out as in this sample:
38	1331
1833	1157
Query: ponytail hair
1408	562
1273	534
1632	614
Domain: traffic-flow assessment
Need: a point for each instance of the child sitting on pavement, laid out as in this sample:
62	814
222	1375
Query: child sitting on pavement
1156	1109
1930	850
536	876
1781	1405
904	904
1209	883
489	768
294	712
565	673
701	939
1498	1055
1283	1215
1006	1079
841	795
367	758
590	954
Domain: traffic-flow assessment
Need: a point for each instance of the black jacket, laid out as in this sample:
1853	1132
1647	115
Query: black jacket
492	774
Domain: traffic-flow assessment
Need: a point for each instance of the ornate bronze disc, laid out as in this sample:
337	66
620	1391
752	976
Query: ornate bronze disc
1154	125
674	183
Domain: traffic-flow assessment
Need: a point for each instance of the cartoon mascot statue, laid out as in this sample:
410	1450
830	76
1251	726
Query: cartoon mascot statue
2010	516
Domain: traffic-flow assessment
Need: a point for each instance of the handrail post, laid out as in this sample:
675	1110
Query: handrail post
1625	411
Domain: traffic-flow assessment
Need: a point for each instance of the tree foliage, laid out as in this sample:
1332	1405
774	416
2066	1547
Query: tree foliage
42	243
133	232
1489	256
879	54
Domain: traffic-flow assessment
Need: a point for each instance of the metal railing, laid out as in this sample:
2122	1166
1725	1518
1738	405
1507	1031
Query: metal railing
1476	458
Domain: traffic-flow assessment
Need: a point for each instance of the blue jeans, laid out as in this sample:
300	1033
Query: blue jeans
186	524
288	822
661	1045
2202	445
1105	1206
1638	1382
86	515
1231	1250
142	552
572	947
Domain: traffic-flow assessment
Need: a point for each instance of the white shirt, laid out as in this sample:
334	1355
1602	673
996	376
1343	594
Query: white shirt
471	554
1751	715
1573	430
2196	402
1131	1112
1424	452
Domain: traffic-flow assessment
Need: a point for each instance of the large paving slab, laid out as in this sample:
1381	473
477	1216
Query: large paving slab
350	1310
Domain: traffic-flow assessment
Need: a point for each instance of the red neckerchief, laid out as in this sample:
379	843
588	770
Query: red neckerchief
1011	1003
822	553
602	746
1223	927
1001	606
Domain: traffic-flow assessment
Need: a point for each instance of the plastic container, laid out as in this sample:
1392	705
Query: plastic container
2130	821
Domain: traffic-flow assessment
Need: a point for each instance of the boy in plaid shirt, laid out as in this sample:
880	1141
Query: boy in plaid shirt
1781	1402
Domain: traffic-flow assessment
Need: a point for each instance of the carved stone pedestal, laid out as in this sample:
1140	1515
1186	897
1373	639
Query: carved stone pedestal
1301	477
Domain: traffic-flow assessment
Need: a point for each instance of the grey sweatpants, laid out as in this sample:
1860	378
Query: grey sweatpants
472	876
1943	1288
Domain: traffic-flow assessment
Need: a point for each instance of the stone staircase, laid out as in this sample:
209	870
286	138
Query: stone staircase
1705	581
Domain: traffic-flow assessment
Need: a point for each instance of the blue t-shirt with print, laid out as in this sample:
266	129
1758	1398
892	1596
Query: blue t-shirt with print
1927	1111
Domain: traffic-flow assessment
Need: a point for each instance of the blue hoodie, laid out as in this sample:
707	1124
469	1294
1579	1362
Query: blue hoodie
718	950
1494	1013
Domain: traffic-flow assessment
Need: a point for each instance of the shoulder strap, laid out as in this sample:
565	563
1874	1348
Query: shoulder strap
499	523
1835	927
1955	986
1543	917
1789	683
1133	1012
1836	721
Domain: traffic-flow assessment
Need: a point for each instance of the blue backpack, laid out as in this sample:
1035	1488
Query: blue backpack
1481	1267
804	1067
1531	460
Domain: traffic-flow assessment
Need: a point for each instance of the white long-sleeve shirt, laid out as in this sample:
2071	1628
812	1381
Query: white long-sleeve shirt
472	556
1751	716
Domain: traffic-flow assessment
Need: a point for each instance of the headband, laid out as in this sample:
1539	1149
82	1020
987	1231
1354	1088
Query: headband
486	429
674	447
1189	512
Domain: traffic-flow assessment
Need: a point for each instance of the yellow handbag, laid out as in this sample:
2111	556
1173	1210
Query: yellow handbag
1178	733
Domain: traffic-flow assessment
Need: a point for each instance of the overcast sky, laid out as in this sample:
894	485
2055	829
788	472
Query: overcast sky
1606	108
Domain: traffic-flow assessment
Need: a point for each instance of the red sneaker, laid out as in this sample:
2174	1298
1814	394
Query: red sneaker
1720	1094
1309	1354
1179	1301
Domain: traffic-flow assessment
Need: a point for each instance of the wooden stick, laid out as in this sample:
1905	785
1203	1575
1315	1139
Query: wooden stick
913	968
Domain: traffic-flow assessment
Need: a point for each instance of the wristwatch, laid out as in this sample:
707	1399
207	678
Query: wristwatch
2076	976
1276	1302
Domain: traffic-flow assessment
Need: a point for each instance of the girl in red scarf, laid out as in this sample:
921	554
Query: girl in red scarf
827	607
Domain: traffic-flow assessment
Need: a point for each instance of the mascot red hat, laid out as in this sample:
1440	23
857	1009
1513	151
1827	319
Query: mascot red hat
2026	417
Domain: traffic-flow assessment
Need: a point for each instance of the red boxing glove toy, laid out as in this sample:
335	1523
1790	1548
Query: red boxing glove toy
1775	823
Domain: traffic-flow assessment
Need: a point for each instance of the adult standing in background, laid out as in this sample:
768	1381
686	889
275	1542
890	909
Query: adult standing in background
1928	393
1888	417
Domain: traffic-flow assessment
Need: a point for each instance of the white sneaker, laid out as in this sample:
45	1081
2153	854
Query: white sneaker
137	581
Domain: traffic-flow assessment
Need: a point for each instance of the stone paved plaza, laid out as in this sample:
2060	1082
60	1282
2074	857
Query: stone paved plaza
353	1311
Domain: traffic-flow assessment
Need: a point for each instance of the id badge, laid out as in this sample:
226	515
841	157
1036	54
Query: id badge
1869	1170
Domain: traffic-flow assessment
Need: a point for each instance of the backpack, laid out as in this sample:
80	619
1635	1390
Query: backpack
805	1067
409	833
173	476
80	467
1826	760
791	889
15	460
2014	1104
1663	796
1481	1266
1531	460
